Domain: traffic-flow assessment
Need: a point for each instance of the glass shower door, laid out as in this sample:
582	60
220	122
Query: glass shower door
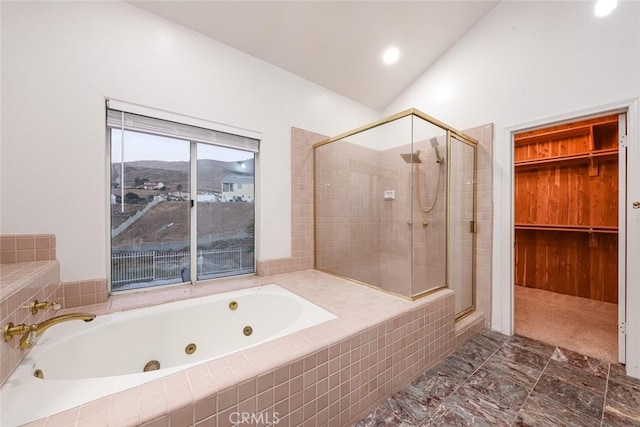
462	225
394	207
429	208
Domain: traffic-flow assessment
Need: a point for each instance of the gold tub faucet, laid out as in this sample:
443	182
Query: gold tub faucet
31	333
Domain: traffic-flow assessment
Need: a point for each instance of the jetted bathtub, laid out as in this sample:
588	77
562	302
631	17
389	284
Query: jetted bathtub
83	361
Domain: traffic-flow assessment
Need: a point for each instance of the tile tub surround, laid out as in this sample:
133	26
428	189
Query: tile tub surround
330	374
498	380
20	284
27	248
84	292
28	272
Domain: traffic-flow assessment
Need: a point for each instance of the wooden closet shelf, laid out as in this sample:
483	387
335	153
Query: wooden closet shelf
550	135
569	158
576	228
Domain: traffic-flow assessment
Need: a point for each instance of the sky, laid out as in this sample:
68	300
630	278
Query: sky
142	146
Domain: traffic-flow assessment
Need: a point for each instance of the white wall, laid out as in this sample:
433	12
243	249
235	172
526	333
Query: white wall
527	60
59	62
524	62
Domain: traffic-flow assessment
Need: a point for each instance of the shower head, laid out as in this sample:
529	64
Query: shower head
434	144
412	157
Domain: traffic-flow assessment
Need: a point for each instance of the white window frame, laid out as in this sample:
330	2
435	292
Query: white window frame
134	117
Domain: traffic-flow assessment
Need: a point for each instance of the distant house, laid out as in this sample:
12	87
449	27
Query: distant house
237	188
153	185
177	196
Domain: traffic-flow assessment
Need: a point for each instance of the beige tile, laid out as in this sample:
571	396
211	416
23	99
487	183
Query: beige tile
205	408
274	384
27	255
63	418
8	243
248	405
26	242
153	405
228	398
44	242
247	389
93	409
162	421
8	257
182	417
266	381
265	400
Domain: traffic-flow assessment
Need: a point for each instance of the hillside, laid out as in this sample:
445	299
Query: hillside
166	225
172	174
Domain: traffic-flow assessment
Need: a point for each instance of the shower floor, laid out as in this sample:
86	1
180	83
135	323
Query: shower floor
498	380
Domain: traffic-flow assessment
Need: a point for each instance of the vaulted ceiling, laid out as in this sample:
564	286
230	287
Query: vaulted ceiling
335	44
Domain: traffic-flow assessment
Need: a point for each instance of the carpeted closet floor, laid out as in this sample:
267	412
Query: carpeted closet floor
579	324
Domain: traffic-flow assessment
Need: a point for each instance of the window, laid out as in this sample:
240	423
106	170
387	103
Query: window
171	188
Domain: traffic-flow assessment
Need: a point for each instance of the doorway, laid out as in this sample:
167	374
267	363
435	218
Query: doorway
569	234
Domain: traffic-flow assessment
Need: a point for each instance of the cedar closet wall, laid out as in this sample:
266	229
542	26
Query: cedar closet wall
566	209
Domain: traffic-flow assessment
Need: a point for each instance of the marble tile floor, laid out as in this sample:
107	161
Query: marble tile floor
495	380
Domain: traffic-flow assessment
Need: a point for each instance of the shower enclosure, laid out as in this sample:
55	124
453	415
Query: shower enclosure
395	206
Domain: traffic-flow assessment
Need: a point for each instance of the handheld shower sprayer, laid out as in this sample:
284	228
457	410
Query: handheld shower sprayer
435	145
414	159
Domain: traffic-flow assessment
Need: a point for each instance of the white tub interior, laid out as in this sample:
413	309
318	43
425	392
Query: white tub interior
82	361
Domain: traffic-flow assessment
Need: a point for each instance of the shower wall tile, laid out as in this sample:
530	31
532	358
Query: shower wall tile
374	246
347	211
301	207
484	135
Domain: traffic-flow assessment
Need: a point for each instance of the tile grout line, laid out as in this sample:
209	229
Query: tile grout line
561	380
534	385
606	389
422	421
428	418
473	372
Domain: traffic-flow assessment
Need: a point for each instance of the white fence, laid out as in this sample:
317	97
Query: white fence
152	266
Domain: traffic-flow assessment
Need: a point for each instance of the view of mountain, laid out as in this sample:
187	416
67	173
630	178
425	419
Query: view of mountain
172	174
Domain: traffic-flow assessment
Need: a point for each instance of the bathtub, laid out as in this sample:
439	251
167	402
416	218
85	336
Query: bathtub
83	361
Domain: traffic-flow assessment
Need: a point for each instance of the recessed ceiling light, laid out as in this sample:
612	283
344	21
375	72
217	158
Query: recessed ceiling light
391	55
605	7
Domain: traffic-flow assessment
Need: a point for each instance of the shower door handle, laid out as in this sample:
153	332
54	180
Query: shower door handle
636	205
